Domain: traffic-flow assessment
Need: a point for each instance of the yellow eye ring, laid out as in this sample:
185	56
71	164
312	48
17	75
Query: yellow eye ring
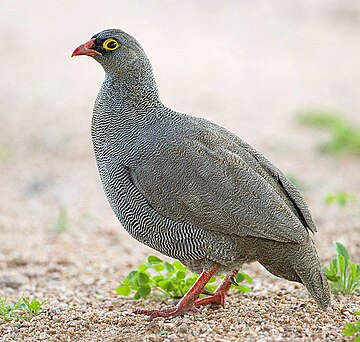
110	44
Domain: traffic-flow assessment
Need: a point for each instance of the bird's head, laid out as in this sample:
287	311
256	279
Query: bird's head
117	52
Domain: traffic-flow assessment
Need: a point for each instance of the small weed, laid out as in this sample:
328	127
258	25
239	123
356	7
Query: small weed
344	276
340	198
62	220
22	309
345	137
161	333
172	280
4	153
353	329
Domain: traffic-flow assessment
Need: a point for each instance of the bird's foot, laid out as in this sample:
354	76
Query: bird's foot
218	298
178	310
187	303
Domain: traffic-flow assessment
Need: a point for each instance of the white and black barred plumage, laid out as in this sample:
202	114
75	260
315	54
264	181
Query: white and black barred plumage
191	189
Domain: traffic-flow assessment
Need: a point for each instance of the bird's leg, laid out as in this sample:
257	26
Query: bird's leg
206	292
219	296
187	303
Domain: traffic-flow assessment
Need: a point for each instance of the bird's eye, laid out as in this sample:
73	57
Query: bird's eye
110	44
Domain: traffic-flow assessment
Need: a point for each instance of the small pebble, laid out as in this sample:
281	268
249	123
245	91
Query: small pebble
204	327
183	328
43	336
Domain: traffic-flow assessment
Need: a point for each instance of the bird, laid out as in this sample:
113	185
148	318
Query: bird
191	189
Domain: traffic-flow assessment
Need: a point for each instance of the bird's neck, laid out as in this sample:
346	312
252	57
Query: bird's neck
134	90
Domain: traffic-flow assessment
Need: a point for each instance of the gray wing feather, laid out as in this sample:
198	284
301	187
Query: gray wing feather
215	181
291	191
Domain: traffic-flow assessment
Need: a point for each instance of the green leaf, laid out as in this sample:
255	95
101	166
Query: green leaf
211	288
352	273
133	278
342	250
159	267
332	277
143	279
334	266
34	306
180	274
142	268
143	292
179	266
166	286
247	278
158	278
191	280
211	280
133	274
152	259
163	283
342	264
168	267
123	290
327	272
243	288
349	329
239	278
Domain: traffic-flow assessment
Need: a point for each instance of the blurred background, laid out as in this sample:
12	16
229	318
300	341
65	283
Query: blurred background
251	66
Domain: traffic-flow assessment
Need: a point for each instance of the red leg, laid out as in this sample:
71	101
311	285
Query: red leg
219	296
187	303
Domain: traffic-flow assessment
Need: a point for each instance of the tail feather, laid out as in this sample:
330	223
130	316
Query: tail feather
298	263
313	277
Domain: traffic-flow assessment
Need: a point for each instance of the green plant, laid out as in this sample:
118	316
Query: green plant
62	220
345	137
4	153
341	198
170	279
353	329
22	309
344	276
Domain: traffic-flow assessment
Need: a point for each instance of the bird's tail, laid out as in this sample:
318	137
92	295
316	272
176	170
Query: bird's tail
297	262
309	269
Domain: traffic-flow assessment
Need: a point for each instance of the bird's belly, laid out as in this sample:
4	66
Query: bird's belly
175	239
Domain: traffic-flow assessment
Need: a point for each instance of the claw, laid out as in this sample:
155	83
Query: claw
218	298
207	292
233	281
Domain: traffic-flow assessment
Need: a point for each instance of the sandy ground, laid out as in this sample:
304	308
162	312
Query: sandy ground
249	66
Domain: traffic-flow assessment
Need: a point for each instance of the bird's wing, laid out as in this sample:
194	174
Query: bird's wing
299	205
215	181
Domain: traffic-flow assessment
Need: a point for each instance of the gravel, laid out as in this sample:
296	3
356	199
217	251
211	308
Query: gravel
246	317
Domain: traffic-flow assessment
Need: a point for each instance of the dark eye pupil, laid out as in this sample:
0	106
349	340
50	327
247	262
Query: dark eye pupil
111	45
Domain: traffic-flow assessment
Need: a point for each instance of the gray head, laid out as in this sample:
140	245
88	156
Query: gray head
117	52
